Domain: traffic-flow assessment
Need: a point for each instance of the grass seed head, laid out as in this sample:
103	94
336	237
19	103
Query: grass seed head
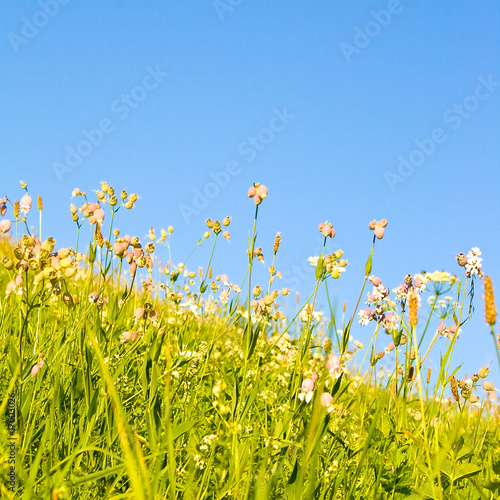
490	310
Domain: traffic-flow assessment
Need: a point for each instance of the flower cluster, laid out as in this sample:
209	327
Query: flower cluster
258	192
39	264
378	227
471	262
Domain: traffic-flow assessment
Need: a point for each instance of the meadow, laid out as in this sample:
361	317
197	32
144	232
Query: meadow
117	384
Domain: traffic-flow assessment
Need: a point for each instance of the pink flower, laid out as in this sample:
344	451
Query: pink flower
307	390
99	215
26	203
35	369
226	235
258	192
3	206
378	227
4	226
333	366
327	401
326	230
127	337
375	281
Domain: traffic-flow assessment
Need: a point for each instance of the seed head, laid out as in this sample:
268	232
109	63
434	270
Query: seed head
484	371
40	204
277	242
454	388
16	209
490	310
413	303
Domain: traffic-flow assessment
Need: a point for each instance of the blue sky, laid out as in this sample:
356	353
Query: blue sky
347	112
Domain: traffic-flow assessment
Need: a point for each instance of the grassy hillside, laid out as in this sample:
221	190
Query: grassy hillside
117	385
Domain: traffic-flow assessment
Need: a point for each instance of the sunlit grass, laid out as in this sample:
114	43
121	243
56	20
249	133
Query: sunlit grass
117	384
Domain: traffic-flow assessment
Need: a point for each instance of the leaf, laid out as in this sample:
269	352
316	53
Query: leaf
181	429
466	470
293	475
336	387
319	269
91	254
368	267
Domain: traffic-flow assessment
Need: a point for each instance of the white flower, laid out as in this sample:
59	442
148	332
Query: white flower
313	261
364	316
473	265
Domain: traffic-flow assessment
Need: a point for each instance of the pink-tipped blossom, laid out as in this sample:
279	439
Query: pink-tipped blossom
5	226
127	337
26	203
378	227
99	215
326	229
327	401
333	366
307	390
258	192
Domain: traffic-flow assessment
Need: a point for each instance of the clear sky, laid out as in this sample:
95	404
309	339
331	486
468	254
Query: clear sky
346	111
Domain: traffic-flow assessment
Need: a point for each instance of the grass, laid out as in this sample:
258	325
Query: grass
178	388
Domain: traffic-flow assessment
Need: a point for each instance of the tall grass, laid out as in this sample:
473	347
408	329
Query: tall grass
114	386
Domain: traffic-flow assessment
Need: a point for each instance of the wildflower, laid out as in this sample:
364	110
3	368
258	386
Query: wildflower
365	315
93	297
333	366
378	227
258	192
226	221
225	234
375	281
313	261
461	259
326	229
139	313
35	369
401	292
490	310
99	215
26	203
307	390
127	337
5	226
224	296
327	401
488	386
473	265
390	322
484	371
